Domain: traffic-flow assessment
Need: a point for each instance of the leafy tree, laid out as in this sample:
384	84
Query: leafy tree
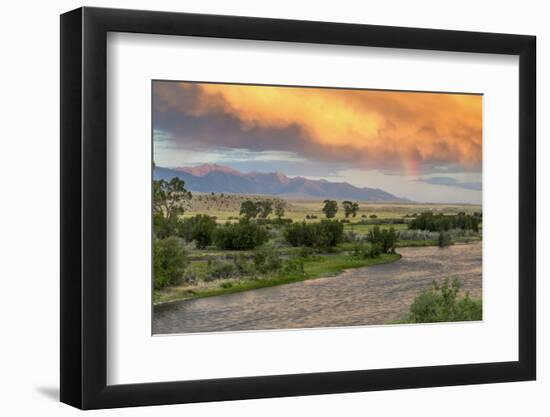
163	227
324	234
168	197
279	207
169	262
386	238
202	230
350	208
373	216
264	207
330	208
249	209
436	222
238	236
299	234
328	233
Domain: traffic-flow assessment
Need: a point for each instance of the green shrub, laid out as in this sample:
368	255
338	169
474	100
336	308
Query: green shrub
444	239
294	266
385	238
324	234
199	228
299	234
266	260
238	236
190	277
274	222
242	265
441	304
305	252
163	228
367	251
203	230
217	269
169	262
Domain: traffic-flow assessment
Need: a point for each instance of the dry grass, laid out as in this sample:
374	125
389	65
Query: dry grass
226	207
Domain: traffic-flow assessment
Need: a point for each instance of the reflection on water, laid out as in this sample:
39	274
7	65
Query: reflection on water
363	296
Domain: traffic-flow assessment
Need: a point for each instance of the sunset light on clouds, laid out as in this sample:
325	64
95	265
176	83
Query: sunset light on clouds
396	139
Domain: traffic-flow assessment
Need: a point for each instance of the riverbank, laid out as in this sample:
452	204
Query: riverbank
314	267
374	295
325	265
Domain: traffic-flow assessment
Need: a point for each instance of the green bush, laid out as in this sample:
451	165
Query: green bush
385	238
199	228
324	234
441	304
274	222
266	260
169	262
368	251
239	236
242	265
294	266
299	234
203	230
444	239
163	228
217	269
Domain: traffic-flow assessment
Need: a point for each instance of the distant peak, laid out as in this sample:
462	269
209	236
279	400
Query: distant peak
205	169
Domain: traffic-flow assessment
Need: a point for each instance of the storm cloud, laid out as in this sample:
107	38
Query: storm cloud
394	131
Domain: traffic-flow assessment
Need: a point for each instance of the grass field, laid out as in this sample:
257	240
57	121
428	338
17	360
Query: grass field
226	207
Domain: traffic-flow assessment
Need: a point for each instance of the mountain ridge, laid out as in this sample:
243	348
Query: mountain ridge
220	178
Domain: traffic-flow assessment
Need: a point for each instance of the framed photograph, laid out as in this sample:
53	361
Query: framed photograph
257	208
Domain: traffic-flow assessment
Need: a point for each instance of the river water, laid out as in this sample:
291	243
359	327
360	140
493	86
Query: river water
362	296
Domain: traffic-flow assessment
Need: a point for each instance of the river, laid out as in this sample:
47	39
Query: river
361	296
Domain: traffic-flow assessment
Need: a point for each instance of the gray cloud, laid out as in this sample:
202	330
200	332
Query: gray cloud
451	182
174	114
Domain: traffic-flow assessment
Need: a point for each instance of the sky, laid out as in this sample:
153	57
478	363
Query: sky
423	146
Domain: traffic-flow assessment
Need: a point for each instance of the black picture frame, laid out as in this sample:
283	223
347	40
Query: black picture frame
84	207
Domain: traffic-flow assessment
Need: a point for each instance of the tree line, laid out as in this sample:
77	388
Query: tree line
441	222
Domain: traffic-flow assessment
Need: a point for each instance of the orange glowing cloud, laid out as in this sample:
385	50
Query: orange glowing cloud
407	127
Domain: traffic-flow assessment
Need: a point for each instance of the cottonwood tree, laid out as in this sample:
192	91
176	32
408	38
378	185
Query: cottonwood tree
168	198
249	209
279	206
264	207
350	208
330	208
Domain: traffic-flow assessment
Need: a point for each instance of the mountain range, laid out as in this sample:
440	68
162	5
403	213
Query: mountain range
222	179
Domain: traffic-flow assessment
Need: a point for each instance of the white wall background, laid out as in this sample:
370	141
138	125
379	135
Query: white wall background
29	212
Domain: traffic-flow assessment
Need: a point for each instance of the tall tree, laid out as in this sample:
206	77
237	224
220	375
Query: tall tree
279	206
265	207
168	198
249	209
350	208
330	208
